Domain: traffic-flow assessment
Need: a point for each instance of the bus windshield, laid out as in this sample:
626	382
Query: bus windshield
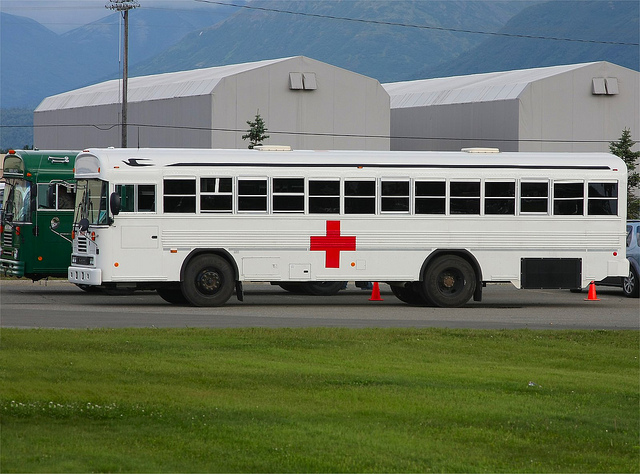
17	201
91	201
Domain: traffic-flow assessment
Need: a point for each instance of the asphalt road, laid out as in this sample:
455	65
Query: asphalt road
59	304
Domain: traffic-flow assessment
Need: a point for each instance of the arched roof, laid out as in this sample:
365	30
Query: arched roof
472	88
155	87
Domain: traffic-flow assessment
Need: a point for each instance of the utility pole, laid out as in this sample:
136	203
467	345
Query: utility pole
124	6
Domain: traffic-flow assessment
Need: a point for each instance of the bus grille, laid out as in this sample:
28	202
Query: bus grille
7	238
82	244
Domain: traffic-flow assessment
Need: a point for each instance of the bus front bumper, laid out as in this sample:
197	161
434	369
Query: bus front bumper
11	268
85	276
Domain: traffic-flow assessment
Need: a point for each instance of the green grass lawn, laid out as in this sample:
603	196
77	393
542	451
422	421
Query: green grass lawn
319	400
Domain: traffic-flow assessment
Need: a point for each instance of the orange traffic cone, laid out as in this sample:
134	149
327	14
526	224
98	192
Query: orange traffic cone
592	293
375	293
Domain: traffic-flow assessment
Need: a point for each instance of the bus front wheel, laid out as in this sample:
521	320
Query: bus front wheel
208	281
449	281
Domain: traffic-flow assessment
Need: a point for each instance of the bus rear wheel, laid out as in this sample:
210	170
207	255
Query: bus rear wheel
449	281
208	281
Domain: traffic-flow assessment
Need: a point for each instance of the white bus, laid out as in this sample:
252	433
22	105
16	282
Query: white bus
436	226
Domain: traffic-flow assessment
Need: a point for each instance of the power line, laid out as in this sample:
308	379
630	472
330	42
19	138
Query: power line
109	126
405	25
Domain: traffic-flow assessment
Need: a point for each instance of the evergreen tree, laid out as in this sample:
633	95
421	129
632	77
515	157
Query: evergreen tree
256	133
622	148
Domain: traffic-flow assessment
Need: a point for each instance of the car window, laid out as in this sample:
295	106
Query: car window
629	235
638	235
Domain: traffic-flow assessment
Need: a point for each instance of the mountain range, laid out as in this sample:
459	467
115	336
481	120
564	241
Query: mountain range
391	41
49	63
586	32
371	42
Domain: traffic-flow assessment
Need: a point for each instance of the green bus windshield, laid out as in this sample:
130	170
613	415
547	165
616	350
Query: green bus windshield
17	201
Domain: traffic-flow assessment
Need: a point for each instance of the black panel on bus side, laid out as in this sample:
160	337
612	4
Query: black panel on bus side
551	273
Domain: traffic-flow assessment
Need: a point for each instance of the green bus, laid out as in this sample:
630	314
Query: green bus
37	213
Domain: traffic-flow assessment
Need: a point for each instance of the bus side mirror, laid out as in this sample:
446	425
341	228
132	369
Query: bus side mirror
83	225
114	203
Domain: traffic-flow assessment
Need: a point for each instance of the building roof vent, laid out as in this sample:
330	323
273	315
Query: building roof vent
605	86
303	81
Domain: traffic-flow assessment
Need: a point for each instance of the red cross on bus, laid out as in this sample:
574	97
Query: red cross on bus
333	243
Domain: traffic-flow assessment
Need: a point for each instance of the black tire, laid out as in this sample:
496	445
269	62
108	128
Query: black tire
630	285
295	288
89	288
172	295
449	281
323	288
208	281
408	294
114	291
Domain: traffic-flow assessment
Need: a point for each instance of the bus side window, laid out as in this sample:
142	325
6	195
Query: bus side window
568	199
47	195
126	193
180	196
216	194
500	197
252	194
55	196
534	197
430	197
395	196
324	196
288	195
360	197
146	198
603	199
465	197
66	197
137	197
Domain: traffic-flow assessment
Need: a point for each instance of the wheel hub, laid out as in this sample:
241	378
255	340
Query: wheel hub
448	281
209	281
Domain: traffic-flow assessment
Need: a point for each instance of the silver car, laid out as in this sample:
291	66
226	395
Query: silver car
630	284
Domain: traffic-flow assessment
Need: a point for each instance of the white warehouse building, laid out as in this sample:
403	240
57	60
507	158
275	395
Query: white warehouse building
579	107
306	104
